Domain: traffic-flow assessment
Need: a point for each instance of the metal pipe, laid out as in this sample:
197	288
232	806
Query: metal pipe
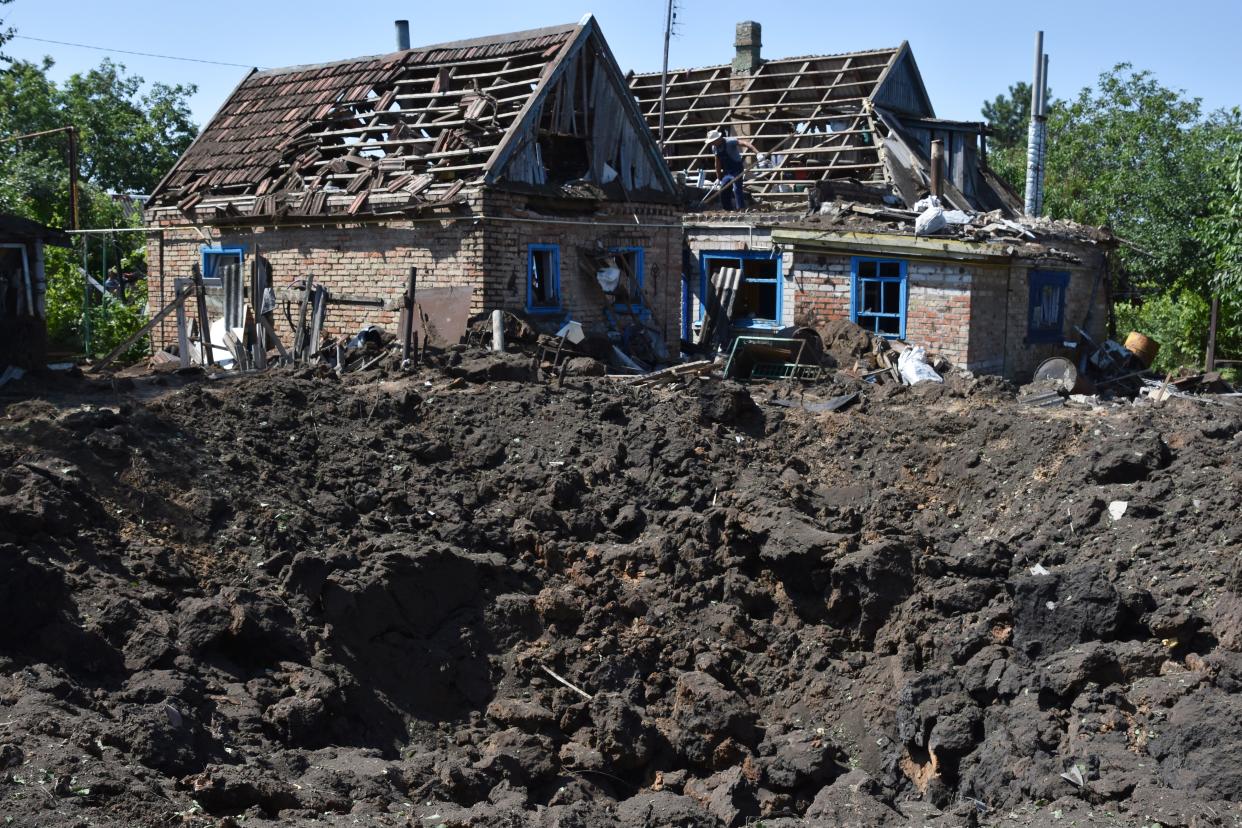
498	330
668	33
403	35
1034	141
937	167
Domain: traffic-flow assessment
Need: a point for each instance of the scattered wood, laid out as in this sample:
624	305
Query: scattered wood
665	375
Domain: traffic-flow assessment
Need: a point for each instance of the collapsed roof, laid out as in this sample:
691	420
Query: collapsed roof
860	122
534	109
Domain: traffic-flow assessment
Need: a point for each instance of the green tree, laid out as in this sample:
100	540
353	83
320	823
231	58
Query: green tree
1220	231
130	133
6	32
1144	160
1009	116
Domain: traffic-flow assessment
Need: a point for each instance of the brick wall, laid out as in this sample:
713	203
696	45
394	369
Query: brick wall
1023	357
742	238
973	314
656	229
373	258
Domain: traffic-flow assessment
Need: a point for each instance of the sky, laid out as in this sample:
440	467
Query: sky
966	52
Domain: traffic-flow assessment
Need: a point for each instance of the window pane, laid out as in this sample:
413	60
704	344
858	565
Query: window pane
890	269
866	269
892	297
890	325
871	297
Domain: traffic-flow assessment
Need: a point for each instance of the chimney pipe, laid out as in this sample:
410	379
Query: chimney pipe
937	167
1037	134
403	35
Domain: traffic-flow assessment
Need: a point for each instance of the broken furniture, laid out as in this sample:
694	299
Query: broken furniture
770	358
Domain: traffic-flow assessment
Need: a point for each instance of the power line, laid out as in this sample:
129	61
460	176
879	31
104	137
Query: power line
127	52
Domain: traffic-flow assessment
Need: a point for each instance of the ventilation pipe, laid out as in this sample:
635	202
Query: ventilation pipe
1037	135
403	35
937	167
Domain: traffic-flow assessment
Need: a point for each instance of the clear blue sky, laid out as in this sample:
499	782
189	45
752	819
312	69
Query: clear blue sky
967	52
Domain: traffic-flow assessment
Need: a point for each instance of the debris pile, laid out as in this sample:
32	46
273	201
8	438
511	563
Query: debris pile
469	598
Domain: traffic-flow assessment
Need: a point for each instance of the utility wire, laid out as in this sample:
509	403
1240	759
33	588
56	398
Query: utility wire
127	52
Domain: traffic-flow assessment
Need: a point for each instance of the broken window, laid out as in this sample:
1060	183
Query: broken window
216	257
629	260
878	296
543	278
1046	312
758	300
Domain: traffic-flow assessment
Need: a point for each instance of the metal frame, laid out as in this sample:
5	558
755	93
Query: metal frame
774	370
856	293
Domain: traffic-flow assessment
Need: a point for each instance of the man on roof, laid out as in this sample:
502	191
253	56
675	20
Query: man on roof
729	168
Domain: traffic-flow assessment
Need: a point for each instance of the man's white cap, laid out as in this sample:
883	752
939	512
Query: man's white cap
713	135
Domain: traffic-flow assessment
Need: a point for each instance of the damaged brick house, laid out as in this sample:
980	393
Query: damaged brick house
509	166
849	141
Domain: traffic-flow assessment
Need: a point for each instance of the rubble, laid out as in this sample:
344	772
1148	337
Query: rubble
405	597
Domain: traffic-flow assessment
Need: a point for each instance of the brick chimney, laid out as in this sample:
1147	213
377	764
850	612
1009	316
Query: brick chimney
748	43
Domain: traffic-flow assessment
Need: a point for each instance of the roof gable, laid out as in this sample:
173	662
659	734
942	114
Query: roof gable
901	88
582	125
376	133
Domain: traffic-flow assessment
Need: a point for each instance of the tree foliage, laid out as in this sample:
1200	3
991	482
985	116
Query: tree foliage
6	32
1009	116
1144	160
1220	231
129	134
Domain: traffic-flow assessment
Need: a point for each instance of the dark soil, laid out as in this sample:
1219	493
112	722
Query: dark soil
300	599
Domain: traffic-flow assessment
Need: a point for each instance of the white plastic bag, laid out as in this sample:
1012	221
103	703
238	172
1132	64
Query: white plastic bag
926	203
913	367
929	221
608	278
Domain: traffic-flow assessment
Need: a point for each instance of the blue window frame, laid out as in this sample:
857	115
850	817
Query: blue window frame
635	258
543	278
759	302
878	296
213	257
1045	319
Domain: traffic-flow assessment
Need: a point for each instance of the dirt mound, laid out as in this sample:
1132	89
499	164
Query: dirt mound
479	600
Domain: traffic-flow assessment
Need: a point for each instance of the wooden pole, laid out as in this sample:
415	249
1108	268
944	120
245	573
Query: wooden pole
300	345
1210	362
407	306
204	325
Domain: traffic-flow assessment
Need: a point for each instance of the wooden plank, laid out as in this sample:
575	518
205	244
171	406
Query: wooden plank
176	302
299	338
274	338
319	309
204	321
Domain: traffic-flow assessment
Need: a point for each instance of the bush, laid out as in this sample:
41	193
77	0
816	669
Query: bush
111	320
1180	324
